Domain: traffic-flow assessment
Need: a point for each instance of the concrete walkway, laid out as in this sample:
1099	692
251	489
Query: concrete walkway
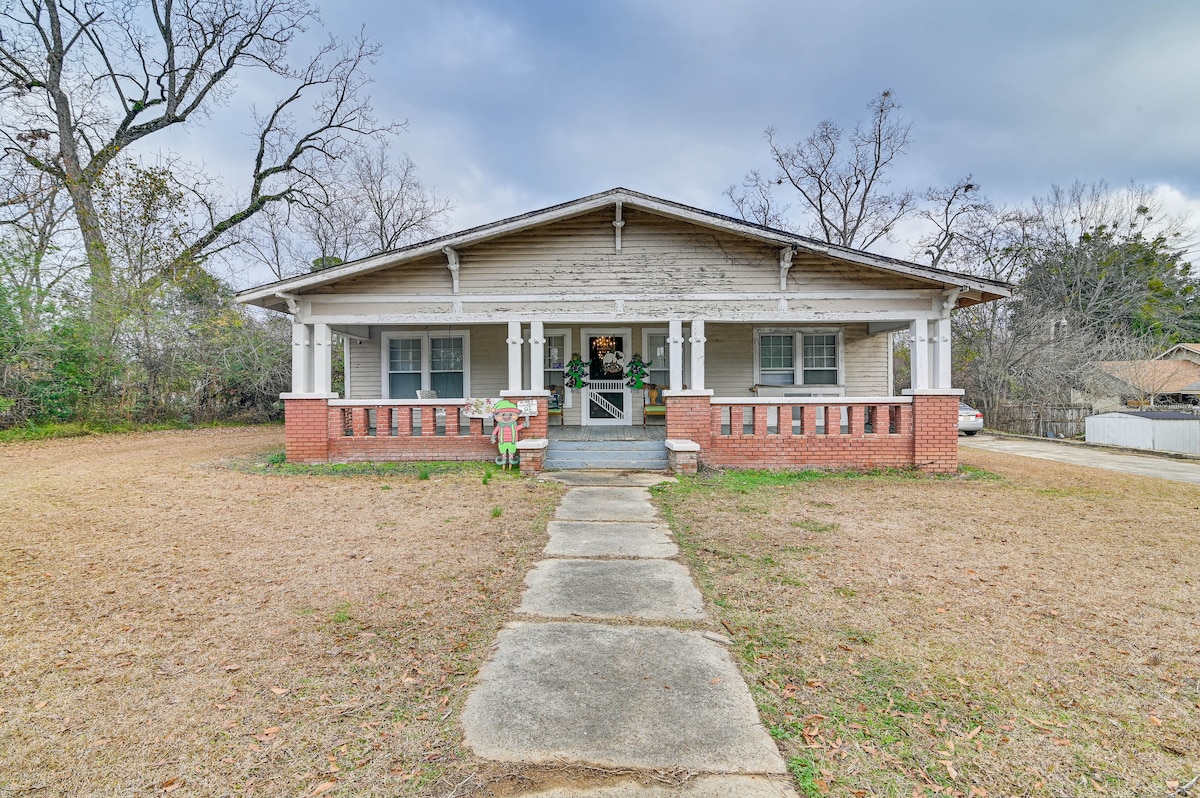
1081	454
610	665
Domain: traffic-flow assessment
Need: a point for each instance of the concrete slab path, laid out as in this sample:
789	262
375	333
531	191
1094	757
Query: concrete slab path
592	677
1146	465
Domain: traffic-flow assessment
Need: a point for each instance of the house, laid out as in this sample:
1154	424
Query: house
771	349
1168	379
1188	352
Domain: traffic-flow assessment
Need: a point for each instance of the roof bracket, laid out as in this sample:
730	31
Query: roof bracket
293	302
950	299
617	225
452	265
785	265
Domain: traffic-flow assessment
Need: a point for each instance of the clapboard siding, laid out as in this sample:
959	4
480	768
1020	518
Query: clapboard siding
658	255
729	361
365	368
866	361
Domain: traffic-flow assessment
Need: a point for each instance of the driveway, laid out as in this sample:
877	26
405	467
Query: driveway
1083	455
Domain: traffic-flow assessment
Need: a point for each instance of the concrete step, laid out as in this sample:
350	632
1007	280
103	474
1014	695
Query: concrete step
575	455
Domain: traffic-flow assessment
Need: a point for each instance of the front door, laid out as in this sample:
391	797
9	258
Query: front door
606	397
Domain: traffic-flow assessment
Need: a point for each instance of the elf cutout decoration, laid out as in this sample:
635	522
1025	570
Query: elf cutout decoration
506	432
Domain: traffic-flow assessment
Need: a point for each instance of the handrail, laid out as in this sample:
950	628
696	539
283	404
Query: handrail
813	400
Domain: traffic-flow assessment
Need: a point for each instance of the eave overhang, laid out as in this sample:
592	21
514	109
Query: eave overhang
969	290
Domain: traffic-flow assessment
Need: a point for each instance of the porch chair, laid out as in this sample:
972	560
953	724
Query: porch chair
652	403
554	405
438	412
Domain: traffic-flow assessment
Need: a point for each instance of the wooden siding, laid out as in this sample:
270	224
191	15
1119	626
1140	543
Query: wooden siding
658	255
729	359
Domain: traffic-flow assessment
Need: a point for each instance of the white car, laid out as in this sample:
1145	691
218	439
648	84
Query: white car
970	420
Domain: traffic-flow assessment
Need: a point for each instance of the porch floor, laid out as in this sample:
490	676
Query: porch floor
613	433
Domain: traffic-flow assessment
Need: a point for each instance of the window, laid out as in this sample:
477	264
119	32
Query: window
555	355
820	359
818	362
656	351
426	362
446	371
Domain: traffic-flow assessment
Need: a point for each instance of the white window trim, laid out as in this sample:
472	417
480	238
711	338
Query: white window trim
798	351
687	347
424	336
566	334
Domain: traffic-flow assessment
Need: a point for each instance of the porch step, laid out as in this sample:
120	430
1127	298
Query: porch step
632	455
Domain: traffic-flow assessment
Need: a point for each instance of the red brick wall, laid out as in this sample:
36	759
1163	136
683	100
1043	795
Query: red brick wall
314	434
306	430
925	436
935	442
688	418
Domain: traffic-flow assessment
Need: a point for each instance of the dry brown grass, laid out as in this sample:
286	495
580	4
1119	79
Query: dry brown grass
1034	634
170	625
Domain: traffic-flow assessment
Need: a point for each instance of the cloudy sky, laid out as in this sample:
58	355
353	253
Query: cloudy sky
512	106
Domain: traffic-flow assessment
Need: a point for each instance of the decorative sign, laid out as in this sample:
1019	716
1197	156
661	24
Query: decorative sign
484	408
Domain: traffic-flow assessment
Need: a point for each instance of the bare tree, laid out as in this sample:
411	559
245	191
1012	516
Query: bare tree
374	204
841	179
948	211
92	78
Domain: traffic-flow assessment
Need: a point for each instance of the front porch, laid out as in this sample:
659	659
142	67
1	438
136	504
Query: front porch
917	430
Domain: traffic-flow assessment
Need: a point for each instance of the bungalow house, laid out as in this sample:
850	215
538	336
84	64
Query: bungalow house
622	315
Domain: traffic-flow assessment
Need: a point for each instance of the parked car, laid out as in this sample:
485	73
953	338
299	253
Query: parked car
970	420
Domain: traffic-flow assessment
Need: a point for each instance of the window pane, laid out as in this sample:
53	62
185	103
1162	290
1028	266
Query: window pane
404	354
778	377
776	352
820	351
820	376
404	385
446	354
556	352
448	384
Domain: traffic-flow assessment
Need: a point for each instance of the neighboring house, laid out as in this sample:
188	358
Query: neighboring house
1188	352
743	327
1149	383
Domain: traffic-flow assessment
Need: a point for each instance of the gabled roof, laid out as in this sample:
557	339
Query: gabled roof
1193	348
1156	376
268	294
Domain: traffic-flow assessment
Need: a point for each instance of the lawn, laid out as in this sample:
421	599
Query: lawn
177	621
174	625
1028	628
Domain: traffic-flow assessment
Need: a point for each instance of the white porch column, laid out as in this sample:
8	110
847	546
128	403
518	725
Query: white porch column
918	356
697	340
322	376
941	354
675	340
302	358
537	356
514	342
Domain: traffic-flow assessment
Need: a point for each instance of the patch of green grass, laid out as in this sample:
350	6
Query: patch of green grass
844	592
385	487
497	511
77	429
807	773
975	472
487	475
808	525
341	613
273	462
